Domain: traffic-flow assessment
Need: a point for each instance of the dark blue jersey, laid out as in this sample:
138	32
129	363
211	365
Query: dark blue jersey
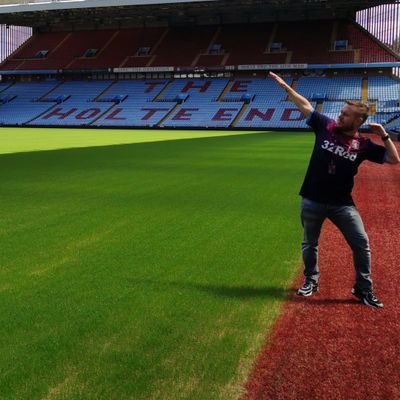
334	162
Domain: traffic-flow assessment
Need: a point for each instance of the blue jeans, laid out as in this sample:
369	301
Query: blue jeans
349	222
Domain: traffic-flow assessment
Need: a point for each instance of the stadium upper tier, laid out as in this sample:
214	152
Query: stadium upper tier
181	103
313	42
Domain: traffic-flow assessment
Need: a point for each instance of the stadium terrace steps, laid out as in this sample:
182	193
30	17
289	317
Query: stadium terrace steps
239	115
106	91
167	115
364	90
226	90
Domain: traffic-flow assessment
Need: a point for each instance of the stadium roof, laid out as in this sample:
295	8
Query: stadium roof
91	14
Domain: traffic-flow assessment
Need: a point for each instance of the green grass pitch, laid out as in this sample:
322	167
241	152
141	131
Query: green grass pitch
147	270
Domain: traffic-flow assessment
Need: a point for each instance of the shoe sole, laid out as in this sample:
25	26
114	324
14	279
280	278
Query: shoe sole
307	294
364	301
371	305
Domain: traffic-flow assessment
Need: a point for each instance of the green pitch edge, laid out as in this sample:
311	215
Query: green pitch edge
15	140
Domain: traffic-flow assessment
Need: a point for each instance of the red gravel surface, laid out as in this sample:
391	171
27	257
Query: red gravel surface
330	346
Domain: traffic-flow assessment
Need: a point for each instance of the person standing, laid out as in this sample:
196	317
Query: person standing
326	191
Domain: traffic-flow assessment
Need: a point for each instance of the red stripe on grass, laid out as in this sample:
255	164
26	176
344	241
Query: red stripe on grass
330	346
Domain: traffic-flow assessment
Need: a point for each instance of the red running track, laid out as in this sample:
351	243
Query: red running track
330	346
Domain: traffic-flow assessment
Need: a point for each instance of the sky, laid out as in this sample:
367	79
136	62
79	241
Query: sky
382	21
11	38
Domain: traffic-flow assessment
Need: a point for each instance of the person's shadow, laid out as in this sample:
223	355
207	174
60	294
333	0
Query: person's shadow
239	291
244	292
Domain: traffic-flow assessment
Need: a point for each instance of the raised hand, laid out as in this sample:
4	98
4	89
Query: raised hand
278	80
377	129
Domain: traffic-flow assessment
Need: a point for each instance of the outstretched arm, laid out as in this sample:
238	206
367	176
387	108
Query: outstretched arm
301	102
392	156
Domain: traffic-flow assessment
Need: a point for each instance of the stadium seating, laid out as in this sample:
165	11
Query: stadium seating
80	108
209	89
180	46
140	90
135	114
370	50
248	44
123	49
338	88
394	125
44	41
332	108
13	64
259	88
4	86
383	88
203	114
203	46
243	102
24	105
139	107
300	39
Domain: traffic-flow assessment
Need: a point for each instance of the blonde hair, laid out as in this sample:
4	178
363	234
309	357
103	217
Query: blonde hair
362	108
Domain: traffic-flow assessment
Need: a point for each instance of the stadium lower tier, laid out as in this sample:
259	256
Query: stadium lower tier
191	103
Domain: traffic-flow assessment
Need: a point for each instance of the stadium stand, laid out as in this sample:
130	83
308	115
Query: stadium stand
44	41
365	46
298	38
197	89
236	44
332	108
383	88
4	86
137	108
326	88
237	103
23	104
181	46
124	50
258	89
196	75
203	114
79	108
248	44
272	115
135	114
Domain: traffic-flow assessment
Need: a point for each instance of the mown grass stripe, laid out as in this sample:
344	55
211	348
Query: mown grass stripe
14	140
